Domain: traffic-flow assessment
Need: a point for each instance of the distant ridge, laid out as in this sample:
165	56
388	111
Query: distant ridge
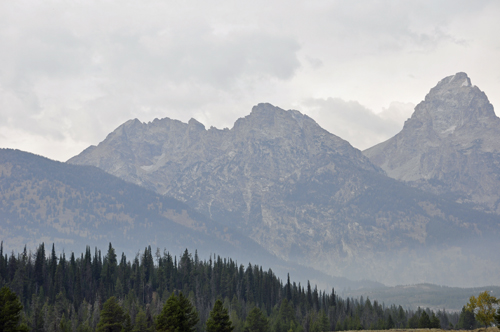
65	204
423	295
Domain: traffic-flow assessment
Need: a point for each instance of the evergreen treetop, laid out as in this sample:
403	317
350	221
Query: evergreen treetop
10	312
111	317
177	315
219	321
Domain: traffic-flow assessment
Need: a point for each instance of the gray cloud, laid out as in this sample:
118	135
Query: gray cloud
72	72
355	123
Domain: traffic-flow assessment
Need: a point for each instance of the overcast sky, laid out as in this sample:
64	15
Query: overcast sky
73	71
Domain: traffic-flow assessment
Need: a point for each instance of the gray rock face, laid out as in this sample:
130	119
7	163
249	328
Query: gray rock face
270	144
302	193
450	145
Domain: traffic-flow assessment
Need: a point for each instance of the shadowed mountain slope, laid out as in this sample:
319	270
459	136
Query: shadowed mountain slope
73	206
42	200
45	200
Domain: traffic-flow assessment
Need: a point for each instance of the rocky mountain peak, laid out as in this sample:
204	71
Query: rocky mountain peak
449	145
132	123
453	103
265	116
452	82
194	124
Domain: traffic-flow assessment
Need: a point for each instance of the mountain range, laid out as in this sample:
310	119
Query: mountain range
306	195
420	207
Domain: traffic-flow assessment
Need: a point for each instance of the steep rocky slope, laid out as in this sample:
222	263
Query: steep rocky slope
450	145
303	194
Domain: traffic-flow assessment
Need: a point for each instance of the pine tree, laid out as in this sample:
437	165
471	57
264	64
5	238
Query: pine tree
467	320
323	322
190	315
37	315
218	320
141	324
286	316
127	325
256	321
288	290
10	312
40	264
413	322
435	323
424	322
111	317
177	315
390	322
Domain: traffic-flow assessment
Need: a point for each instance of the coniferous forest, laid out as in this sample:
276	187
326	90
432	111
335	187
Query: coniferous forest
76	294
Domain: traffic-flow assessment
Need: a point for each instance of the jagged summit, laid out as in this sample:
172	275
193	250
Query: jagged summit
452	104
265	115
450	145
284	139
452	83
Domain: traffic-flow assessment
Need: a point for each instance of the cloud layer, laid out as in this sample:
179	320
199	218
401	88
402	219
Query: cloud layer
71	72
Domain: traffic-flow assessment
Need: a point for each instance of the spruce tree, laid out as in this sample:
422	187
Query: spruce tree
141	324
390	322
10	312
127	323
424	322
218	320
177	315
467	320
256	321
435	323
190	315
111	317
323	322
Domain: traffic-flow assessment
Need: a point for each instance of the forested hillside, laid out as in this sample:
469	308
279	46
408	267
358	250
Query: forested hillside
61	293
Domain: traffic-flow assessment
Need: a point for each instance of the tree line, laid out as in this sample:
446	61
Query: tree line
64	294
